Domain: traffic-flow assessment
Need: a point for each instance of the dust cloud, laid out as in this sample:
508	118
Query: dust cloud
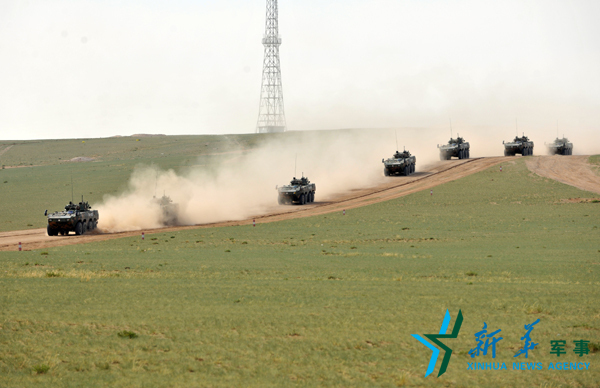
243	184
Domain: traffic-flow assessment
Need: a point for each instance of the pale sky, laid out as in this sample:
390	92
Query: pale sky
98	68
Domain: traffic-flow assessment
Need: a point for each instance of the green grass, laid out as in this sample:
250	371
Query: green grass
322	301
595	159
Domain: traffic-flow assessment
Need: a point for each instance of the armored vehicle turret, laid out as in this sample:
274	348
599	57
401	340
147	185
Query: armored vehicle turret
521	145
169	210
402	163
457	148
78	218
299	191
560	147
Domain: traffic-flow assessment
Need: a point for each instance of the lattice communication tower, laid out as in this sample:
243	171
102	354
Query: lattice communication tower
271	117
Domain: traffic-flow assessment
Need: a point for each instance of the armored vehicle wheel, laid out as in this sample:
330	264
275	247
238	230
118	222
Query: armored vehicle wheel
312	197
90	225
51	232
79	228
468	154
280	201
506	153
442	157
301	199
386	172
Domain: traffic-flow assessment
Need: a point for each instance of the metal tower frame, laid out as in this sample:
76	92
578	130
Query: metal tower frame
271	116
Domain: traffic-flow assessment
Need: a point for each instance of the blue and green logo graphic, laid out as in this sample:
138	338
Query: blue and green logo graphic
435	338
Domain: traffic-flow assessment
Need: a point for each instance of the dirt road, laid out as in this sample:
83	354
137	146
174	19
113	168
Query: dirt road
2	151
393	187
571	170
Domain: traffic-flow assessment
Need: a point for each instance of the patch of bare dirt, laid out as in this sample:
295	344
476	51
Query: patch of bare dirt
573	170
81	159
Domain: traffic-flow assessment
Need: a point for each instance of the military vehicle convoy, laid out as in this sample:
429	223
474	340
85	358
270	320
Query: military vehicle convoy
78	218
169	210
521	145
402	163
457	148
299	191
560	147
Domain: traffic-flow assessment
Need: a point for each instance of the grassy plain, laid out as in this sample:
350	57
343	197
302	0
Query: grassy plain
322	301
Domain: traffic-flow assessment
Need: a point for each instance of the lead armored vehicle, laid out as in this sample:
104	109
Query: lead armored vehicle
521	145
169	210
78	218
402	163
560	147
457	148
299	191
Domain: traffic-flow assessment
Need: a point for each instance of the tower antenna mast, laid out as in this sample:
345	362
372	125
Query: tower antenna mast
271	116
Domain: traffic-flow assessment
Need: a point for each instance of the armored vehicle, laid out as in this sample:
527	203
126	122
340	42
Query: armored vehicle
299	191
521	145
401	164
560	147
78	218
169	210
457	148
